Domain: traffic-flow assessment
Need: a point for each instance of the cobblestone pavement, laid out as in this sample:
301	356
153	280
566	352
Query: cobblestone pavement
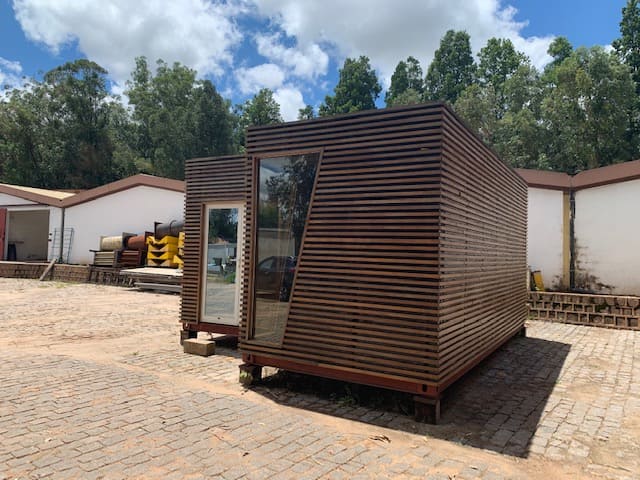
93	384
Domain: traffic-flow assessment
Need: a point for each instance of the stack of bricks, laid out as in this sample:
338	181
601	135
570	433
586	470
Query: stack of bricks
161	252
611	311
178	259
21	269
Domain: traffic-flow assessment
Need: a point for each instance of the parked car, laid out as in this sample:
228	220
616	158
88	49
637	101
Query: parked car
274	277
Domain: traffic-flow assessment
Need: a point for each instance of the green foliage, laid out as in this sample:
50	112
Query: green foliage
67	131
290	192
559	49
306	113
406	84
477	105
499	61
452	69
223	223
262	109
578	115
627	47
177	117
587	109
57	133
357	89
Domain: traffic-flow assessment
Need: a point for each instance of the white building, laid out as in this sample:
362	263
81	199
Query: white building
28	221
583	231
35	218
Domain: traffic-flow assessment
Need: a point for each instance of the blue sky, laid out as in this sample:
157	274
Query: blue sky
294	47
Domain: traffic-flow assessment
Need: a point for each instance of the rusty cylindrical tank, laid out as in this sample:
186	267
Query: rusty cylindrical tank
172	228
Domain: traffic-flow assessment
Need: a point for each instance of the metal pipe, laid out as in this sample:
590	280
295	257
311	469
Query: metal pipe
572	240
60	256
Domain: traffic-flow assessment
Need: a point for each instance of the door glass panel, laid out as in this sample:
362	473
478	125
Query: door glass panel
221	270
284	192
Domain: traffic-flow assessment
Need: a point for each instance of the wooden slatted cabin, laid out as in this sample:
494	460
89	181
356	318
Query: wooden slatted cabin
384	247
216	189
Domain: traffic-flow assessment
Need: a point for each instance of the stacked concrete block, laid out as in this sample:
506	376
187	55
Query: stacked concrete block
611	311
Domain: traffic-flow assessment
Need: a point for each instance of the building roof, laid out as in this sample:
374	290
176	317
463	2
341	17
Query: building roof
619	172
134	181
545	179
37	195
58	198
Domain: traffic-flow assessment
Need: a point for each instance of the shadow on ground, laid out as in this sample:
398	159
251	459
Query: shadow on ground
497	406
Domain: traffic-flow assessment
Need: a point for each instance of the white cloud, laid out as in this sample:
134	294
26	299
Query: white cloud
290	100
390	31
267	75
306	62
10	74
198	33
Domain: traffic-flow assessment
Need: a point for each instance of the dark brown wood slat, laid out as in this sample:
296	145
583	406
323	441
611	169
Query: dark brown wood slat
413	261
209	180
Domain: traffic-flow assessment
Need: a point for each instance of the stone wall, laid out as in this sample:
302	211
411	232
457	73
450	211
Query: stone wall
611	311
60	273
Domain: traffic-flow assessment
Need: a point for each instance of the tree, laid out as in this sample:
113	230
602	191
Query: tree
79	94
306	113
30	151
357	89
559	50
586	109
452	69
627	47
511	125
177	117
477	106
498	61
58	133
406	84
262	109
213	122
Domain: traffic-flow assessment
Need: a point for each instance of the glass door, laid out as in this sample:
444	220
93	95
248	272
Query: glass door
222	257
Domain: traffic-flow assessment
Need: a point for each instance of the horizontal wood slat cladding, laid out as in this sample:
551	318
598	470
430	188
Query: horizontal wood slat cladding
208	180
413	263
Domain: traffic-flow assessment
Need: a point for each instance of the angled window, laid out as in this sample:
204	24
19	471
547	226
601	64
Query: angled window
285	185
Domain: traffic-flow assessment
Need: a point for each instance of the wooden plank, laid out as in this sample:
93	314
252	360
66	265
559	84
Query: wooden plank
48	269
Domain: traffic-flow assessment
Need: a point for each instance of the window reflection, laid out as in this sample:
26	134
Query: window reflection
221	276
284	192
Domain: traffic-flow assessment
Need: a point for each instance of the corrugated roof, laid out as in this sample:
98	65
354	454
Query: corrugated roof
37	195
58	198
41	191
620	172
124	184
545	179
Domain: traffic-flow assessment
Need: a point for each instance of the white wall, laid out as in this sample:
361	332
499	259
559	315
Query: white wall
11	200
544	234
133	210
607	233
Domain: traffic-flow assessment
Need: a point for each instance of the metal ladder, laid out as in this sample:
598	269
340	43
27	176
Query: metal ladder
67	242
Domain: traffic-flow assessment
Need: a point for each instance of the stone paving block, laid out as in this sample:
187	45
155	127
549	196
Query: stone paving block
527	386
